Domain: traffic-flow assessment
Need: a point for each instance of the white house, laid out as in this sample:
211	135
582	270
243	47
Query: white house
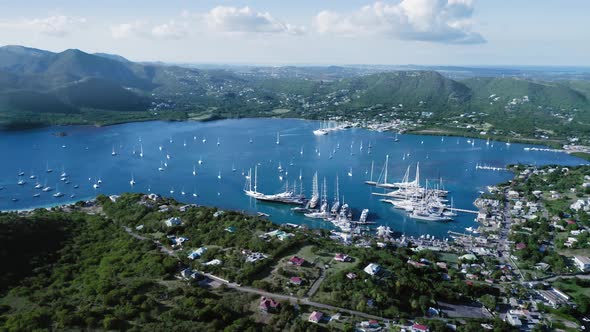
196	253
372	269
174	221
582	262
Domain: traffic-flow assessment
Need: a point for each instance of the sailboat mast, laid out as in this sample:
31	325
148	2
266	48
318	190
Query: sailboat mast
386	162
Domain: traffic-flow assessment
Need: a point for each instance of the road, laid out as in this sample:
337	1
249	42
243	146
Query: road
290	298
316	285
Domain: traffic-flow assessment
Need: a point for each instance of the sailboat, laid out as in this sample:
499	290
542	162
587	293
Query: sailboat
200	161
184	144
160	148
250	141
194	170
182	192
113	153
350	172
204	140
171	141
300	175
385	184
132	181
58	193
488	141
47	169
218	143
161	168
278	139
301	151
233	167
219	175
371	182
141	151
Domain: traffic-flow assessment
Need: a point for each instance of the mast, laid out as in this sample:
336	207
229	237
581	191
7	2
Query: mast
372	163
255	178
386	162
417	180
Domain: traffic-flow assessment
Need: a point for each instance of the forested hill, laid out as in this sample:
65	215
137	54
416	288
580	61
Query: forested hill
42	87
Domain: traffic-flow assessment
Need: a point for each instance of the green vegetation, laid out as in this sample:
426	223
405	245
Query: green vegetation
57	88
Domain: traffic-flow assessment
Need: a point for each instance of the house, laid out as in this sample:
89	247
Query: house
214	262
174	221
342	258
297	261
520	246
178	241
186	273
268	305
230	229
419	328
196	253
513	320
316	317
351	275
296	281
582	262
372	269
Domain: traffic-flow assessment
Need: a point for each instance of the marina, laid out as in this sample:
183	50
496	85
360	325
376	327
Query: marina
280	164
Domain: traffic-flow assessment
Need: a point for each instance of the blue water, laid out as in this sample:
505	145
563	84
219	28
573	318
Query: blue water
86	157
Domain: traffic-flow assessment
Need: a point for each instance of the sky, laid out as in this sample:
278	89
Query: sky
306	32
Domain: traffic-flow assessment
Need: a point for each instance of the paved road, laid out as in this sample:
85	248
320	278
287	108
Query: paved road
316	285
292	299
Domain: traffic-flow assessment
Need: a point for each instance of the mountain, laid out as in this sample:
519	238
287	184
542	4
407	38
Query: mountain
539	93
112	57
408	87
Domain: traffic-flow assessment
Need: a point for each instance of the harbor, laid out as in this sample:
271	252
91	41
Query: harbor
233	164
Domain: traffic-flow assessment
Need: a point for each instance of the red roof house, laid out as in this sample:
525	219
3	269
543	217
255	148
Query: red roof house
316	317
297	261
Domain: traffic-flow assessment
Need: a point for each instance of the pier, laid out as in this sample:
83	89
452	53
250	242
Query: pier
463	210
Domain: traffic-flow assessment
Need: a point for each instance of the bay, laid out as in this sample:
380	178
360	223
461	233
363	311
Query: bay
85	154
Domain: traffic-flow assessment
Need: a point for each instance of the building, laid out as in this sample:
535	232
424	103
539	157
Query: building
296	281
316	317
196	253
268	305
582	262
419	328
297	261
174	221
342	258
513	320
372	269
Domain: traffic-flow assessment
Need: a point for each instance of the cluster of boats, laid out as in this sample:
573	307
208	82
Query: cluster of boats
419	202
44	188
326	128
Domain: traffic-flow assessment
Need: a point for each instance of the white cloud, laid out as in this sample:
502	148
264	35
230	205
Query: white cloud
141	29
127	30
170	30
55	25
245	20
442	21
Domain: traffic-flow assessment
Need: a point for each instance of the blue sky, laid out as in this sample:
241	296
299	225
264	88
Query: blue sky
445	32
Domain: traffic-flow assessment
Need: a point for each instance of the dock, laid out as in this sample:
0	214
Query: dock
463	210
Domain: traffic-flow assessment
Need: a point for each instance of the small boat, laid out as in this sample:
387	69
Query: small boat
141	151
184	144
113	153
21	182
182	192
194	170
161	168
250	141
38	186
167	156
58	194
172	190
21	173
171	140
200	161
14	199
37	195
160	148
132	181
278	139
76	186
350	172
233	168
47	189
219	175
218	143
32	177
204	140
